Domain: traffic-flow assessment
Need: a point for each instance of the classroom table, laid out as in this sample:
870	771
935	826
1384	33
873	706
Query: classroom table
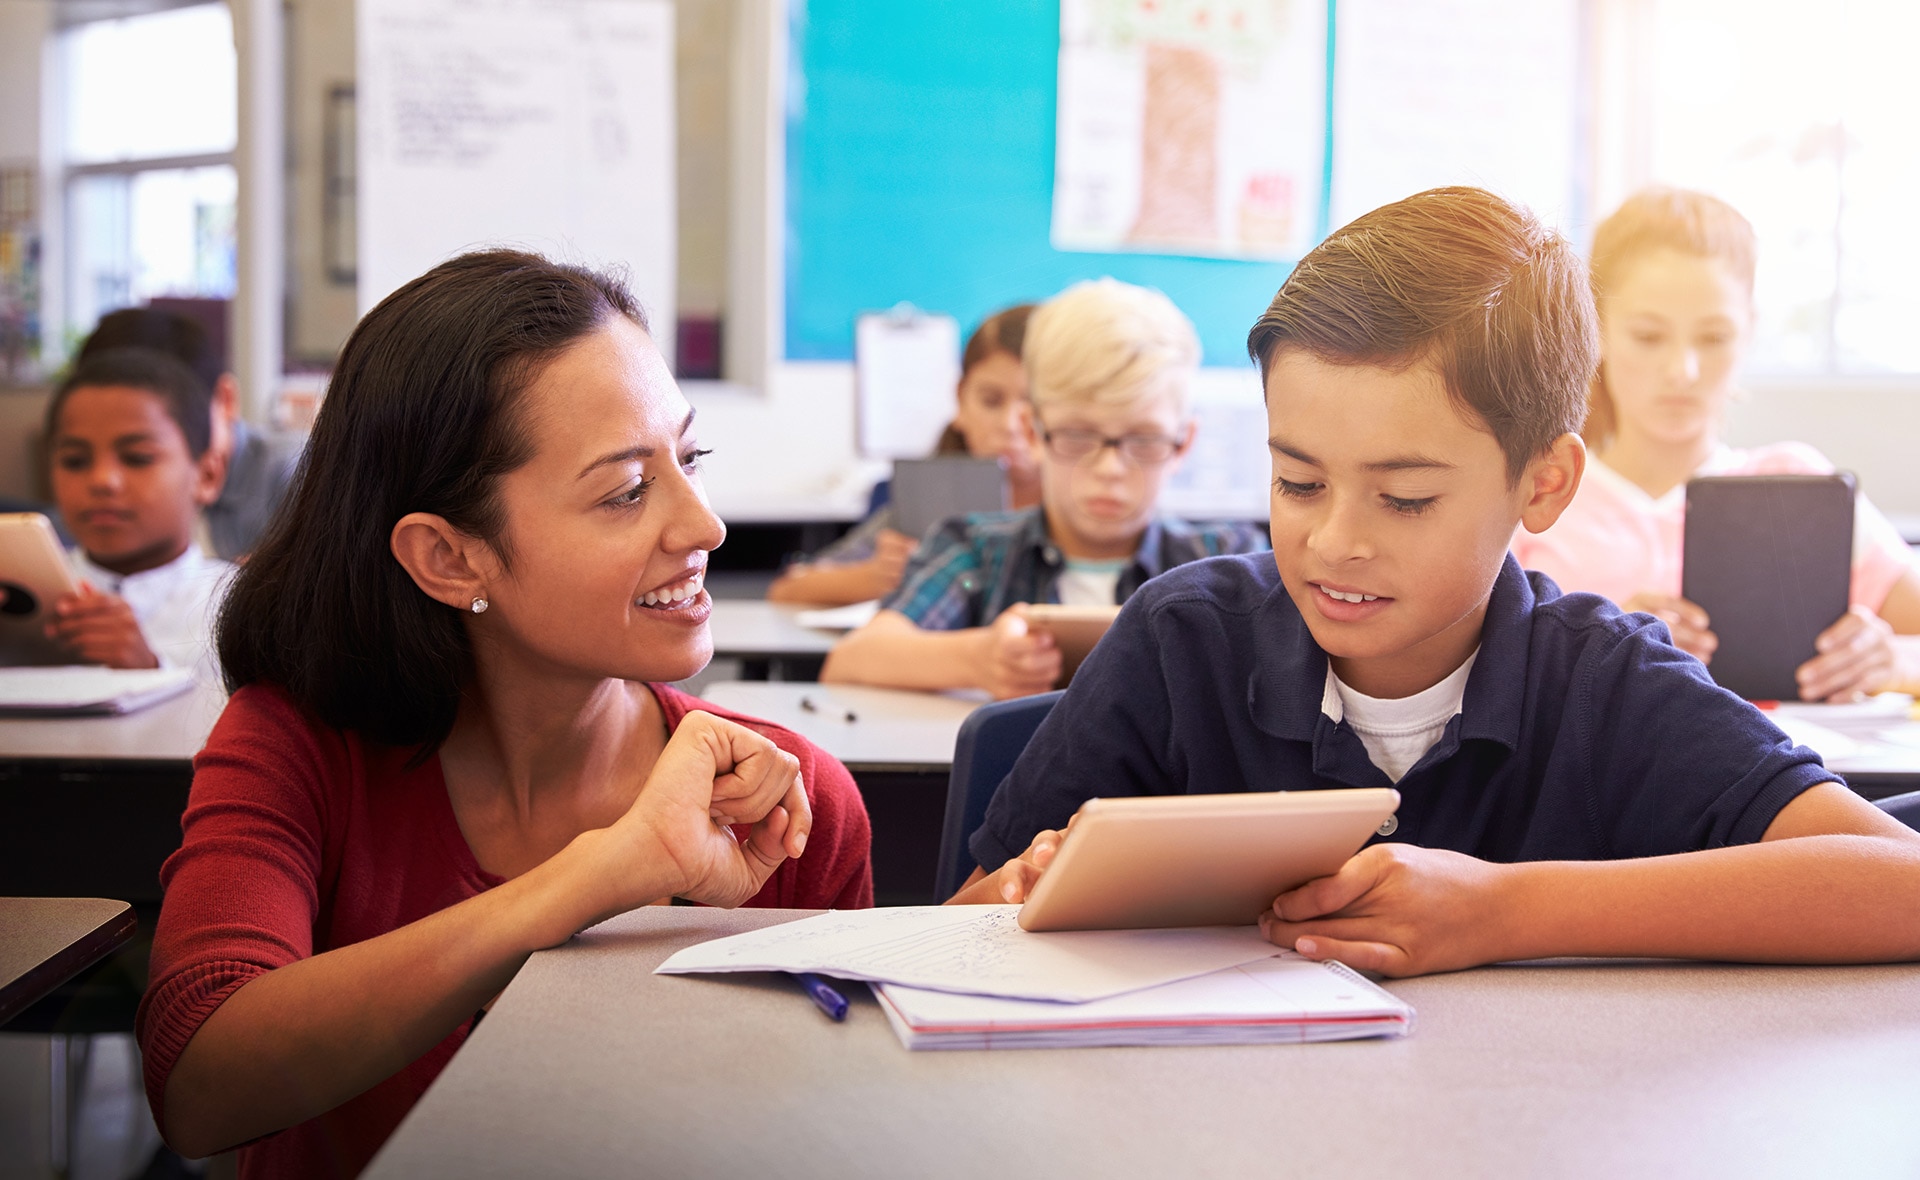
899	746
590	1065
90	806
769	634
869	729
45	941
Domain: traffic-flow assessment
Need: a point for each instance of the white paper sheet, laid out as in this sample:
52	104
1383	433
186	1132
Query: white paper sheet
906	365
84	689
1283	998
840	618
976	949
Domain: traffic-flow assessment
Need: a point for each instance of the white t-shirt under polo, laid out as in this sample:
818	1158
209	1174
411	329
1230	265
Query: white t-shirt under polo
1090	583
1397	734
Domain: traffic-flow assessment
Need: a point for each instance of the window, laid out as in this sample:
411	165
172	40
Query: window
1806	118
150	116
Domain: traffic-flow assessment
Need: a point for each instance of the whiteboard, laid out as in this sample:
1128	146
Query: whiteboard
1481	92
541	124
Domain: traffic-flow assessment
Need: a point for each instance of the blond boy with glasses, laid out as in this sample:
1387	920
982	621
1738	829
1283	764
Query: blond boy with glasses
1110	368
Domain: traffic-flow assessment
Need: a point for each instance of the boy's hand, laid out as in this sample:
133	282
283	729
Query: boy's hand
1857	659
1396	909
99	628
1685	620
1013	881
1015	661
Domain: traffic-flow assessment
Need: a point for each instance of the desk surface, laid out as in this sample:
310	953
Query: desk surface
747	629
890	728
589	1065
171	731
45	941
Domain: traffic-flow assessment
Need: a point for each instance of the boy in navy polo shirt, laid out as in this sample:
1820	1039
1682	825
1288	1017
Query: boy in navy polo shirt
1571	783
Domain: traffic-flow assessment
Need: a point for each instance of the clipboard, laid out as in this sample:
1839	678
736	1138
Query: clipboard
906	366
1770	559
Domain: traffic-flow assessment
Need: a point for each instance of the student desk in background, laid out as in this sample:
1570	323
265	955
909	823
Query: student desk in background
1569	1069
767	638
90	806
899	747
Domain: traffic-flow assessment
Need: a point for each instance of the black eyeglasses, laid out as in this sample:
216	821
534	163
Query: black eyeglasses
1074	444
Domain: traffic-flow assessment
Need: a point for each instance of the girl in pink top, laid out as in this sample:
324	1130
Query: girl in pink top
1673	276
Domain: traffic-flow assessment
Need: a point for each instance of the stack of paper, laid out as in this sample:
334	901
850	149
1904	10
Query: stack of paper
81	690
1284	999
851	617
969	977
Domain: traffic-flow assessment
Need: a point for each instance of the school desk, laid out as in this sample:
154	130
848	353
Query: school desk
769	636
90	806
45	941
898	745
590	1065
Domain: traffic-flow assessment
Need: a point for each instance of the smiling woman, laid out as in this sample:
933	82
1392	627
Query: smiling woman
446	748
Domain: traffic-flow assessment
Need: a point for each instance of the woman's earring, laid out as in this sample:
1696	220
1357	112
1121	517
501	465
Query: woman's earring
479	606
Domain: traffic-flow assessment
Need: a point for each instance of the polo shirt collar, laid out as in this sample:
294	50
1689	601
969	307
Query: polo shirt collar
1289	681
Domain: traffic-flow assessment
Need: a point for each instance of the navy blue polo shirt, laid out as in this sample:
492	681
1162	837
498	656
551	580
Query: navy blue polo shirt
1584	734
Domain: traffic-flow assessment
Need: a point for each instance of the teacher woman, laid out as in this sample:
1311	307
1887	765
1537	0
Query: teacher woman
448	744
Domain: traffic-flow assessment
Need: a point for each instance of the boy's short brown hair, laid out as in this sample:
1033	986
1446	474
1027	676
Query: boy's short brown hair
1497	302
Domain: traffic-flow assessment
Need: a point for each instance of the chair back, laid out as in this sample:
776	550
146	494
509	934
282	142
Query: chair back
1905	808
988	745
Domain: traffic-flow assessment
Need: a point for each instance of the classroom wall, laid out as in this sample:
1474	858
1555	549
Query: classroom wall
23	28
1867	425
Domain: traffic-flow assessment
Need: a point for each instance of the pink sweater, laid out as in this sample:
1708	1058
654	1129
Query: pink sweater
1616	540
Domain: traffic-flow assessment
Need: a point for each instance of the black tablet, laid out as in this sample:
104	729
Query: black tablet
928	491
1769	558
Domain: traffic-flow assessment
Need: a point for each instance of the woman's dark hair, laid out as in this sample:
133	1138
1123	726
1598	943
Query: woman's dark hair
421	416
188	400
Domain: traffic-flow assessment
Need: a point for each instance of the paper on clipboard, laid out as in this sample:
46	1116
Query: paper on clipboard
906	368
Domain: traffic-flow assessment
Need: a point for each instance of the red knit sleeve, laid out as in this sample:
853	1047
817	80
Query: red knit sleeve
242	891
836	871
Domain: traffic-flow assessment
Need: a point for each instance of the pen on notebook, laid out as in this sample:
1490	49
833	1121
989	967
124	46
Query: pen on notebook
824	996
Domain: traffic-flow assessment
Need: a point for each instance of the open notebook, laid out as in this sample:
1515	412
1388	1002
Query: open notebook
1284	999
83	690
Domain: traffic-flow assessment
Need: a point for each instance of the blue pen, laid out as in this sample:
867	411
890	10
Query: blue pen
824	996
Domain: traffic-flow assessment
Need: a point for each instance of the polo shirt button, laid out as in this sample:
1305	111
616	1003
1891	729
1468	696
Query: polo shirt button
1391	826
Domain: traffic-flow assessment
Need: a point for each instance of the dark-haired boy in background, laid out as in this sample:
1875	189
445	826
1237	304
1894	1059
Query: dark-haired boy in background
1571	783
129	439
259	465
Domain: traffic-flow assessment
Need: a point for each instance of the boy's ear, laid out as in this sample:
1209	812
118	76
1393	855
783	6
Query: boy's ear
209	476
1550	481
448	565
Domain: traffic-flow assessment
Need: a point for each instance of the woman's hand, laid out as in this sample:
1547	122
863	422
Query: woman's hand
1685	620
1396	909
1014	660
99	628
712	776
1013	881
1857	658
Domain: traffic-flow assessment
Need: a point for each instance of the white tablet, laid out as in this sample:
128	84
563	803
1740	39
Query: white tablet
34	574
1198	860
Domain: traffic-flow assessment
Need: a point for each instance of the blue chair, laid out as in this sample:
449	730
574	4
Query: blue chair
1905	808
989	743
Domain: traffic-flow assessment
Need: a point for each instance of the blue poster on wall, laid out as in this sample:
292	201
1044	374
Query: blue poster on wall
920	168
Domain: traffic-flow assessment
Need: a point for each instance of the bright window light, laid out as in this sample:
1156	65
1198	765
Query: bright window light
164	84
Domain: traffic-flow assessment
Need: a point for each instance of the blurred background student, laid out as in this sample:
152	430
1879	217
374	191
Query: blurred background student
130	439
1110	368
1673	275
989	423
259	465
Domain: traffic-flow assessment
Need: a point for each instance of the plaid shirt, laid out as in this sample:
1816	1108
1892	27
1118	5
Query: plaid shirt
973	567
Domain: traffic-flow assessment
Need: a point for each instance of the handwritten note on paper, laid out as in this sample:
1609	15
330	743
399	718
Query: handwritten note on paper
978	950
